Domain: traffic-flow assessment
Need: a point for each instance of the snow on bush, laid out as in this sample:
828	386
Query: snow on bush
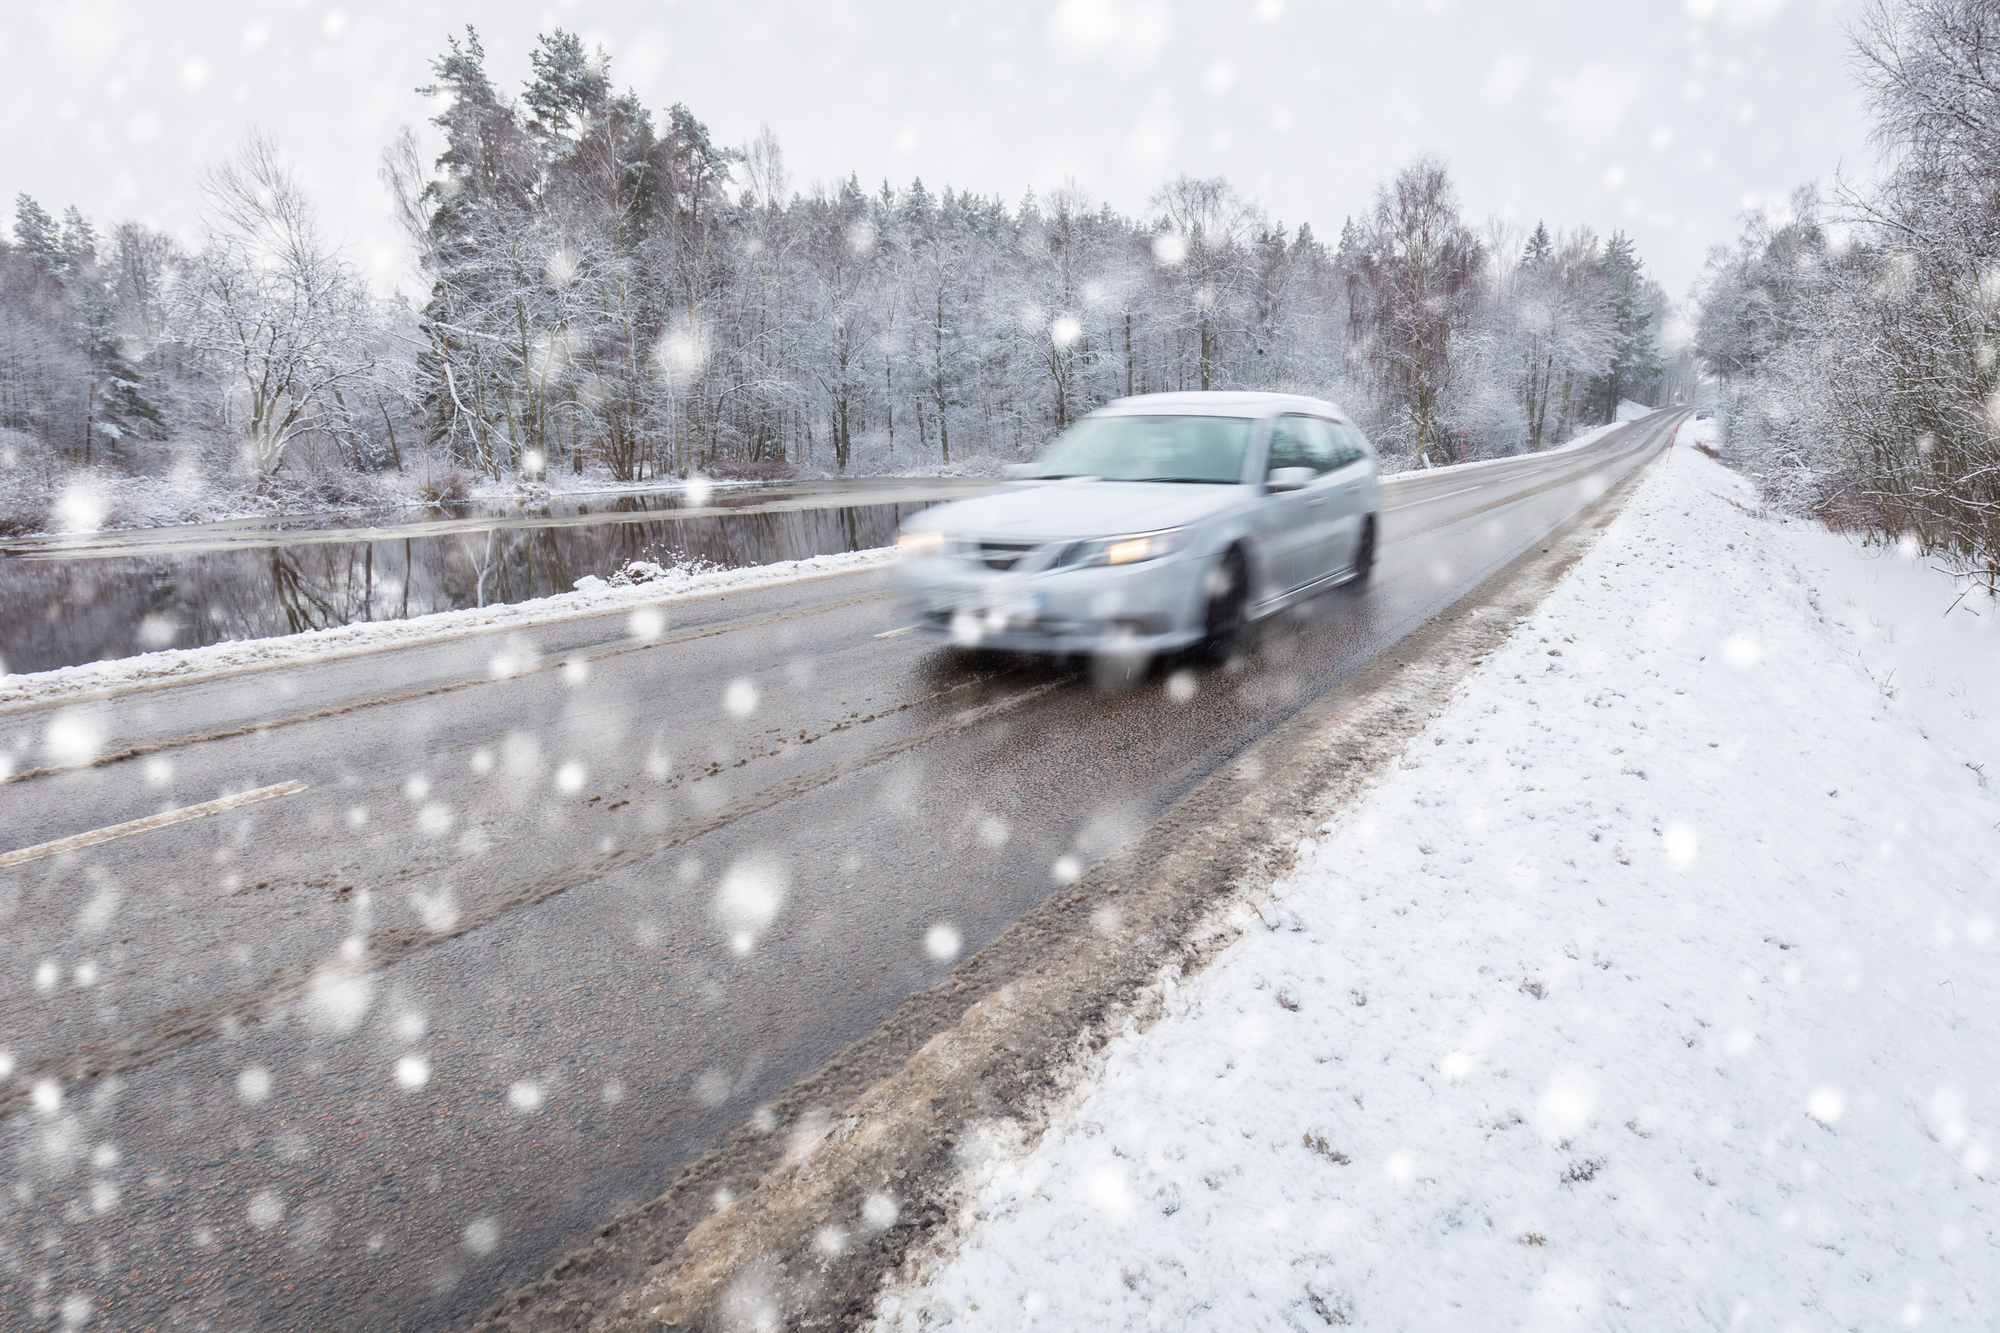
679	568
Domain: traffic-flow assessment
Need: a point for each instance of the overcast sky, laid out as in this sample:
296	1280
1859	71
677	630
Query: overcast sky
1664	119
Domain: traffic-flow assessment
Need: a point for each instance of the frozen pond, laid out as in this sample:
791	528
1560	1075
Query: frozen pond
88	596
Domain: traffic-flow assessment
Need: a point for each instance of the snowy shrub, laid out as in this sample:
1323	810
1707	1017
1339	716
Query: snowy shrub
445	486
677	567
23	512
1861	363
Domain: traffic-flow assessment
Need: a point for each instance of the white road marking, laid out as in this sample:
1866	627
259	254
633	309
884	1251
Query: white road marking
892	633
149	823
1428	498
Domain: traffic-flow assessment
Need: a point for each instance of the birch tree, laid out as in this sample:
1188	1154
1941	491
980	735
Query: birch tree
1417	266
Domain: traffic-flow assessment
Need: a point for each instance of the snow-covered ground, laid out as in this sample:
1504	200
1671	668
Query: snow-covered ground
593	597
1654	988
1703	433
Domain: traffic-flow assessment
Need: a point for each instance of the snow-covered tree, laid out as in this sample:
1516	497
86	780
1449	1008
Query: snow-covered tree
1862	358
280	315
1416	268
1634	365
1560	321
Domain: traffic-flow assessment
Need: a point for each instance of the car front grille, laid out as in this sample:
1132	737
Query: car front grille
1002	555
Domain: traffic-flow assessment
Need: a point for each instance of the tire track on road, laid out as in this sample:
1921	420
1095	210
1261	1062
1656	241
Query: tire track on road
190	1025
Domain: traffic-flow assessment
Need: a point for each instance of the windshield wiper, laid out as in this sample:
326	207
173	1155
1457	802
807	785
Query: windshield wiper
1189	481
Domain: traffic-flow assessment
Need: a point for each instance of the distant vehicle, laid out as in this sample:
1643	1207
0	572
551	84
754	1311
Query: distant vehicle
1154	524
1703	413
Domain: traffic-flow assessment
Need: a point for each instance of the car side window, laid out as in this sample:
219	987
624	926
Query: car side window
1289	445
1350	446
1321	444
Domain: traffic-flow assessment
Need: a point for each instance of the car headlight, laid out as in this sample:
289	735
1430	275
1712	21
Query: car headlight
1125	550
920	543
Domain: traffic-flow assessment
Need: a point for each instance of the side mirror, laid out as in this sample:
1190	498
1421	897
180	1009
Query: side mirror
1289	478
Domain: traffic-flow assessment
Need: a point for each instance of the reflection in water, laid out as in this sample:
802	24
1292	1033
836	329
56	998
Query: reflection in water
57	613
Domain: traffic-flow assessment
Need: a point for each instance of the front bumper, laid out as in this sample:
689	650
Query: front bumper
1151	607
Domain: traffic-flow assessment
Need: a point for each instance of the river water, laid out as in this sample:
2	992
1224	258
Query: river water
86	597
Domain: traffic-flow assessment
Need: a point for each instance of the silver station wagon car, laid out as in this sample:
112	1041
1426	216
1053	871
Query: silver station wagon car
1154	524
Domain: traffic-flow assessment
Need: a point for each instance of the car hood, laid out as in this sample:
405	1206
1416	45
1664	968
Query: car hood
1048	511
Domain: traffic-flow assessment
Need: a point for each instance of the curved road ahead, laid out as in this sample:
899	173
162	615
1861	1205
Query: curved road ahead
549	912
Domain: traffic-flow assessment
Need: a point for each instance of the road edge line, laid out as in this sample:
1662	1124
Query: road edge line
164	819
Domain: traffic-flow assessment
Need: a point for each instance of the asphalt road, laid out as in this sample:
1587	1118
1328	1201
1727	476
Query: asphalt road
550	911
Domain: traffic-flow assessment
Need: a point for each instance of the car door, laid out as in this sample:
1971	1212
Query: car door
1353	497
1284	518
1327	540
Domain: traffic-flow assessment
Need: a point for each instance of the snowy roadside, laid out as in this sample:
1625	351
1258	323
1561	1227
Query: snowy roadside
1588	437
1655	987
181	665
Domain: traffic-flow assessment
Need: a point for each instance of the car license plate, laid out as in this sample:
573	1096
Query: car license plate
1009	605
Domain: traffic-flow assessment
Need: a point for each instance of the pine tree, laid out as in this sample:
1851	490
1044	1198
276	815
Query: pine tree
79	241
568	86
1350	242
917	206
37	233
1635	355
81	302
120	409
1539	246
485	157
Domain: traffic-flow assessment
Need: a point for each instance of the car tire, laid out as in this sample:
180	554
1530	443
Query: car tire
1364	558
1226	614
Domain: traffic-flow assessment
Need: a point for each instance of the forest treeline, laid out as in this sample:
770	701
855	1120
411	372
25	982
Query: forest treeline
1856	328
609	288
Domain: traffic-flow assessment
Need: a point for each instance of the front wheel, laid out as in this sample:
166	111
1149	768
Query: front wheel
1364	557
1228	608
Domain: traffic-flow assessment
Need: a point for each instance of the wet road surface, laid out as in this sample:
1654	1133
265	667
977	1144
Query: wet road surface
549	911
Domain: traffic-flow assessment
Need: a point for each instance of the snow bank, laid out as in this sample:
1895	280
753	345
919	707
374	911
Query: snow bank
594	597
1703	433
1655	988
1582	440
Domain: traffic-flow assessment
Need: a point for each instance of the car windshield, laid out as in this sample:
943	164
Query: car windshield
1134	448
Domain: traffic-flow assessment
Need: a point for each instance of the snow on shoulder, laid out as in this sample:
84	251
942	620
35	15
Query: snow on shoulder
641	585
1655	987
